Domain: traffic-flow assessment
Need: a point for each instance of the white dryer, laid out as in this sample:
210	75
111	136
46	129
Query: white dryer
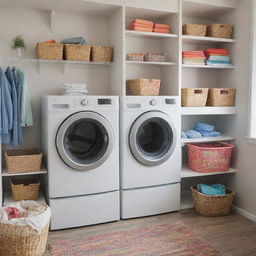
150	155
81	146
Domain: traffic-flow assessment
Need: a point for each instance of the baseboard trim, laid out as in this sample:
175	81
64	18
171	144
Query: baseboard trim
244	213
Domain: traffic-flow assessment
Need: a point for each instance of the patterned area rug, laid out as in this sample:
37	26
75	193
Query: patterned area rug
172	239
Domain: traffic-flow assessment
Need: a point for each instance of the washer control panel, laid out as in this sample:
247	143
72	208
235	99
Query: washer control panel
84	102
153	102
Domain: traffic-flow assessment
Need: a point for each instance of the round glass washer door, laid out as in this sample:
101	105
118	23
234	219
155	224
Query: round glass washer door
152	138
84	140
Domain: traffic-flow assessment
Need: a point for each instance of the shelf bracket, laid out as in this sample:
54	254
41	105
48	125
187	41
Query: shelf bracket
52	20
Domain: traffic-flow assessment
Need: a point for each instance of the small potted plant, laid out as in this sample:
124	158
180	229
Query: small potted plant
19	44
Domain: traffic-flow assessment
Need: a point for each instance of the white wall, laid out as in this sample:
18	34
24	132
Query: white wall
244	181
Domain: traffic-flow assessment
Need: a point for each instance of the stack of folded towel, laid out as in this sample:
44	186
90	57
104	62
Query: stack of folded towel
200	130
142	25
74	89
217	57
193	57
161	28
212	190
149	26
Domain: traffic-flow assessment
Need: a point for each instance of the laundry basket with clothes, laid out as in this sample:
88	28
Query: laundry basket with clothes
24	228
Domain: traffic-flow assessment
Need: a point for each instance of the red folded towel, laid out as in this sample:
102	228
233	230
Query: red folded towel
145	22
162	26
138	28
160	30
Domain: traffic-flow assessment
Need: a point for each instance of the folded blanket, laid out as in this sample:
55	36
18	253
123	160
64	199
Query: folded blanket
213	190
193	134
204	127
74	40
161	26
183	135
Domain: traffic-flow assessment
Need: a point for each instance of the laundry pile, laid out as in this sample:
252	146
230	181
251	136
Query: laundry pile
74	89
200	130
193	57
22	213
217	57
15	105
212	190
148	26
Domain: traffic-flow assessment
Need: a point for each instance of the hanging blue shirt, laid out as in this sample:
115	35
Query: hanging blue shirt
6	108
19	97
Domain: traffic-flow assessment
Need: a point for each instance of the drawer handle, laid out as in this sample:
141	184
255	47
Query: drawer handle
224	92
198	91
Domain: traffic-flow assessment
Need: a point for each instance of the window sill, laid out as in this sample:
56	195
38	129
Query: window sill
251	140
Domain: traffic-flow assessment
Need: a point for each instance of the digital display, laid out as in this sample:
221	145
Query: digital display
104	101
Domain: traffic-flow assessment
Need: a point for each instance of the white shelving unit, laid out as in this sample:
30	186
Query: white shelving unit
208	139
151	63
207	66
6	174
132	33
8	198
205	39
208	111
187	173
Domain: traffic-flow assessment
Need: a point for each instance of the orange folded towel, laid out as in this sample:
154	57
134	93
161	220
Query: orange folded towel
159	30
141	25
162	26
145	22
138	28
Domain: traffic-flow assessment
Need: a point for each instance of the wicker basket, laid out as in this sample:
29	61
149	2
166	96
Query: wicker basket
194	97
155	57
101	54
194	30
221	97
220	30
23	160
213	205
143	87
50	51
135	56
78	52
22	240
27	189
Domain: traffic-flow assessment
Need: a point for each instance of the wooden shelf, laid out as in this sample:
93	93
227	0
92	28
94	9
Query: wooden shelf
151	63
208	111
207	66
205	39
7	199
207	139
133	33
5	174
187	173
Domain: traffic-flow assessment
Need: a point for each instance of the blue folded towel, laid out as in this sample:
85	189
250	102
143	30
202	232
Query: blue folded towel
183	135
210	134
193	134
199	127
213	190
74	40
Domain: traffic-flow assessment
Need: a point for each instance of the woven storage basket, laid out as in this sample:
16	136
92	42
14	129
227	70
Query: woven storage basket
194	97
213	205
155	57
194	29
23	160
27	189
220	30
101	54
22	240
221	97
143	87
50	51
79	52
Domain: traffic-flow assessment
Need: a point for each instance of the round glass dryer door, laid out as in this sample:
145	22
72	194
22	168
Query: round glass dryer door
84	140
152	138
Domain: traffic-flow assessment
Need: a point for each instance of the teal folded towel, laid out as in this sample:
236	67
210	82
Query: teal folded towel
74	40
212	190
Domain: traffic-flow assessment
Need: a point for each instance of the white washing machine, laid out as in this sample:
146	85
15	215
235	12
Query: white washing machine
150	155
81	148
